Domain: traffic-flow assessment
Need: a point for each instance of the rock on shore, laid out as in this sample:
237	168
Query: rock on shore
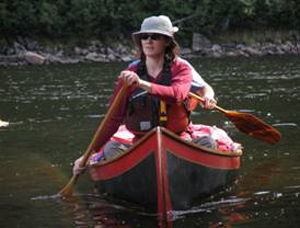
26	51
30	52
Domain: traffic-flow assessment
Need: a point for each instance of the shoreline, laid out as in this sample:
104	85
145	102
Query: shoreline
30	52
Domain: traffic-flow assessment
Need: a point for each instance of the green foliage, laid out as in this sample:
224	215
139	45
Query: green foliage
118	18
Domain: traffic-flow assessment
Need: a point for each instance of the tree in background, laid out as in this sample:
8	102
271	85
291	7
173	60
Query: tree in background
84	19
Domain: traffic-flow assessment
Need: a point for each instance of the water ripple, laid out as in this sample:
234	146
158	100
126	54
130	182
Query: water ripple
285	124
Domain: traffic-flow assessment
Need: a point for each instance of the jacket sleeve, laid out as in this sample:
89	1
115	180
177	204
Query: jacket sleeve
181	83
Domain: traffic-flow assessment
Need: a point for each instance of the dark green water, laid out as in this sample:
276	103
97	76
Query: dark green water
54	111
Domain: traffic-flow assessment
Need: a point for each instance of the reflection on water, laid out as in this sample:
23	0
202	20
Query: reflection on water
53	112
91	210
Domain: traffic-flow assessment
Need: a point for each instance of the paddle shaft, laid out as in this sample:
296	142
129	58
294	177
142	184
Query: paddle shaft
67	190
111	109
202	100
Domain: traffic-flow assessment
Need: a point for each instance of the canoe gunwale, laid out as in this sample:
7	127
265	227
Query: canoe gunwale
174	137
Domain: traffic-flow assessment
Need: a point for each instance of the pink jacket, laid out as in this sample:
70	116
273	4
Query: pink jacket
178	90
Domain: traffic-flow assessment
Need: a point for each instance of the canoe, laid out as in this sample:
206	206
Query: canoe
163	172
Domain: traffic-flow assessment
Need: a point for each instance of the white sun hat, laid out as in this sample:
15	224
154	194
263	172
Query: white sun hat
156	24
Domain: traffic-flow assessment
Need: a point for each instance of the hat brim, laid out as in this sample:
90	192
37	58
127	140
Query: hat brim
136	35
152	31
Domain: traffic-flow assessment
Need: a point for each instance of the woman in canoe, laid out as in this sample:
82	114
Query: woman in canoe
158	86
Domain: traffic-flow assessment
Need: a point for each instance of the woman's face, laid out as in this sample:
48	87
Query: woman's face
153	44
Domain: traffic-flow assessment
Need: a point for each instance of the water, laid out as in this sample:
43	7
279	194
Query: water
54	111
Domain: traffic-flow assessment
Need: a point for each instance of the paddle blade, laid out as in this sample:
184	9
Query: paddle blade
68	189
254	127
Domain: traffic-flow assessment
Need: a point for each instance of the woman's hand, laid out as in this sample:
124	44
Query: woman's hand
77	168
209	102
208	95
130	78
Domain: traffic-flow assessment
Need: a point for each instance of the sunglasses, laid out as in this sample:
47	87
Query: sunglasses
151	36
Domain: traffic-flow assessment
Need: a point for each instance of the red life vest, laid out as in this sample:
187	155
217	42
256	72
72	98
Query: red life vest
145	112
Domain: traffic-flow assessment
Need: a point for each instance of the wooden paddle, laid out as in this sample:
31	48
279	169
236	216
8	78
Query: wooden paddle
67	190
249	124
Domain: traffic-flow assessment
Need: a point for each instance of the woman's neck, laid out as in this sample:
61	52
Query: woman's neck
154	66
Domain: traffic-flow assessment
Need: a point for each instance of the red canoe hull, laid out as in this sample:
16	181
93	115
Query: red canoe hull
165	173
